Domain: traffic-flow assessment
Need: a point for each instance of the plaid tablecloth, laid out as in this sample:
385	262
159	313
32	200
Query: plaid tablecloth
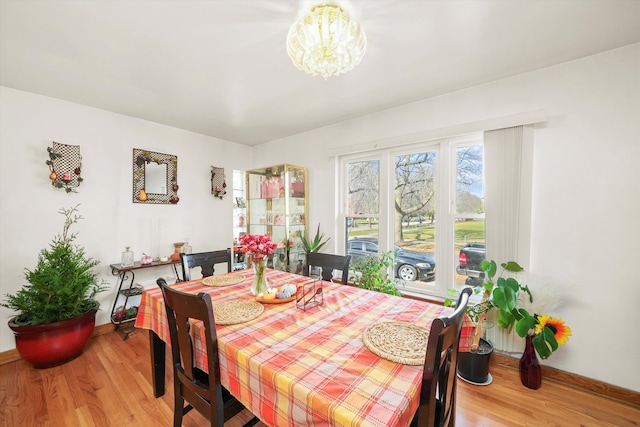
308	368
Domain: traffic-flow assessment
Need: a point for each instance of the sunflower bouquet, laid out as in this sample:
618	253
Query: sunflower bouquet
548	332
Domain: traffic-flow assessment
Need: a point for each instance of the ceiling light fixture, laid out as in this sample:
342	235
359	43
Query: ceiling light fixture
326	41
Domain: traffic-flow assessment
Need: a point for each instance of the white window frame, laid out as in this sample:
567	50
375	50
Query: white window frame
445	149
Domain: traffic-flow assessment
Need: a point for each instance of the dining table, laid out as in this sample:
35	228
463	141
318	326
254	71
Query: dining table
302	367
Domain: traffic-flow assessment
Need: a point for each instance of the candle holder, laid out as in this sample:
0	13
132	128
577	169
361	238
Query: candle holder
65	164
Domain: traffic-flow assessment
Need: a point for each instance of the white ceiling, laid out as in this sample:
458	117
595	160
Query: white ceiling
220	67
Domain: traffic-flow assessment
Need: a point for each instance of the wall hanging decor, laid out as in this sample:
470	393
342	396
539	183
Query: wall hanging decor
218	182
65	165
155	177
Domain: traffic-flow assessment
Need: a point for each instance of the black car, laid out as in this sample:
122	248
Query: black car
409	265
469	260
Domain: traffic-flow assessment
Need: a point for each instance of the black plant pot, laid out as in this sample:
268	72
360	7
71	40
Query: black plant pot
473	366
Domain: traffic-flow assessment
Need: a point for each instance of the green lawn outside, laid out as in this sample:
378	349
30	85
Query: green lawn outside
469	231
465	231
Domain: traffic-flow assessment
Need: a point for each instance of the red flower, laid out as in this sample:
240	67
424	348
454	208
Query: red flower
258	245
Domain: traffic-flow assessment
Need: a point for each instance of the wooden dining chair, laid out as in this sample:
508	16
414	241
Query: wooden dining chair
438	390
206	261
202	391
329	262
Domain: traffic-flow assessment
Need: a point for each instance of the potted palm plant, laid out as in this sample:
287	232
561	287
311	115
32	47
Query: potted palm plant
310	246
57	308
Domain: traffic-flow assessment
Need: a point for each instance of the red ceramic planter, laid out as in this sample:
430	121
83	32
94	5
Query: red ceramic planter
45	346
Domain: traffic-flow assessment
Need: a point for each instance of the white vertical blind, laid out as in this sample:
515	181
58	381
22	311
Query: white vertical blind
503	148
507	207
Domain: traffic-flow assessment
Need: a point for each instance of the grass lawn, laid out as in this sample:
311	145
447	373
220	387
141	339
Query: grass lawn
465	231
469	231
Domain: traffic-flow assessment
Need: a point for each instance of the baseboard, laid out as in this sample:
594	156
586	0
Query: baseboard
9	356
623	395
13	355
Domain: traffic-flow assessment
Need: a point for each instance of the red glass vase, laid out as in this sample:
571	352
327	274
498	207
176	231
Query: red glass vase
530	369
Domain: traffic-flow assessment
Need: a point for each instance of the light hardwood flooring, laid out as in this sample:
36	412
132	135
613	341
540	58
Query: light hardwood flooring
109	385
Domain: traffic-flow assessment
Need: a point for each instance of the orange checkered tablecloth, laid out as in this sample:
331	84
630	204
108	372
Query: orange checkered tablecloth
308	368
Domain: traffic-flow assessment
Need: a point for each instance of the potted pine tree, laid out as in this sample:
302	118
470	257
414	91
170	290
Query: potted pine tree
57	308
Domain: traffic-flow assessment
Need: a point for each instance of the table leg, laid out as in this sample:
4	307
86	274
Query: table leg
158	362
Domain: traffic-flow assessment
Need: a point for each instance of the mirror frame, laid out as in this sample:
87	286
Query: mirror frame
143	157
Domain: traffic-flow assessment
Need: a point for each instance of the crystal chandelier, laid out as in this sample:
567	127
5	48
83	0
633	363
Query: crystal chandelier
326	41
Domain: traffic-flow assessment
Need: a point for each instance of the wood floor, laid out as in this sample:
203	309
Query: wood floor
109	385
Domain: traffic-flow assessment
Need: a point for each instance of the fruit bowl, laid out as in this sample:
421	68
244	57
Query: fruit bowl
278	295
274	300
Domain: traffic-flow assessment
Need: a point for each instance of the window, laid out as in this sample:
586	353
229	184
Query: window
469	226
424	202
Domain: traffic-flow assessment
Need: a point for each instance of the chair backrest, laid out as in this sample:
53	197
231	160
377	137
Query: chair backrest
438	390
191	383
205	260
329	262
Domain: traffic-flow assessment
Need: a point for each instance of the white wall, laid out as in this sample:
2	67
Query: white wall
586	191
29	206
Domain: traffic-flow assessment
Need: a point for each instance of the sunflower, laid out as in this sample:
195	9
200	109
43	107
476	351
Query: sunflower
561	332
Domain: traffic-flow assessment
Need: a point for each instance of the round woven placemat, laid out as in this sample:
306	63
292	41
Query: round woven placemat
223	280
236	311
399	342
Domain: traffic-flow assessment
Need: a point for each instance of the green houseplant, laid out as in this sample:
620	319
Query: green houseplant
503	294
60	294
499	294
313	245
310	246
372	273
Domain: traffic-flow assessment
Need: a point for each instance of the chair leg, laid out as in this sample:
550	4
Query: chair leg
253	421
178	409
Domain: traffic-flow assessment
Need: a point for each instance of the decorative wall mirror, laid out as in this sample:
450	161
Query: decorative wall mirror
155	177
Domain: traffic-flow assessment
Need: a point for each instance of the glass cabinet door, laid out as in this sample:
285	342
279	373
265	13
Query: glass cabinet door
277	205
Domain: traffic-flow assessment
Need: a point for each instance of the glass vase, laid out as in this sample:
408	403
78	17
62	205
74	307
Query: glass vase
530	369
287	261
259	283
127	258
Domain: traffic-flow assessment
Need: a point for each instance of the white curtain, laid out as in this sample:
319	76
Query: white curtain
508	166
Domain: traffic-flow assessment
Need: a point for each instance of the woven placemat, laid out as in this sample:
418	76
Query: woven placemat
399	342
236	311
223	280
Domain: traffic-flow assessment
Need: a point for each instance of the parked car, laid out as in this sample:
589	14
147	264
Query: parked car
471	255
409	265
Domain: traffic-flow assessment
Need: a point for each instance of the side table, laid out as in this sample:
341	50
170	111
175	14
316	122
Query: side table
124	317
